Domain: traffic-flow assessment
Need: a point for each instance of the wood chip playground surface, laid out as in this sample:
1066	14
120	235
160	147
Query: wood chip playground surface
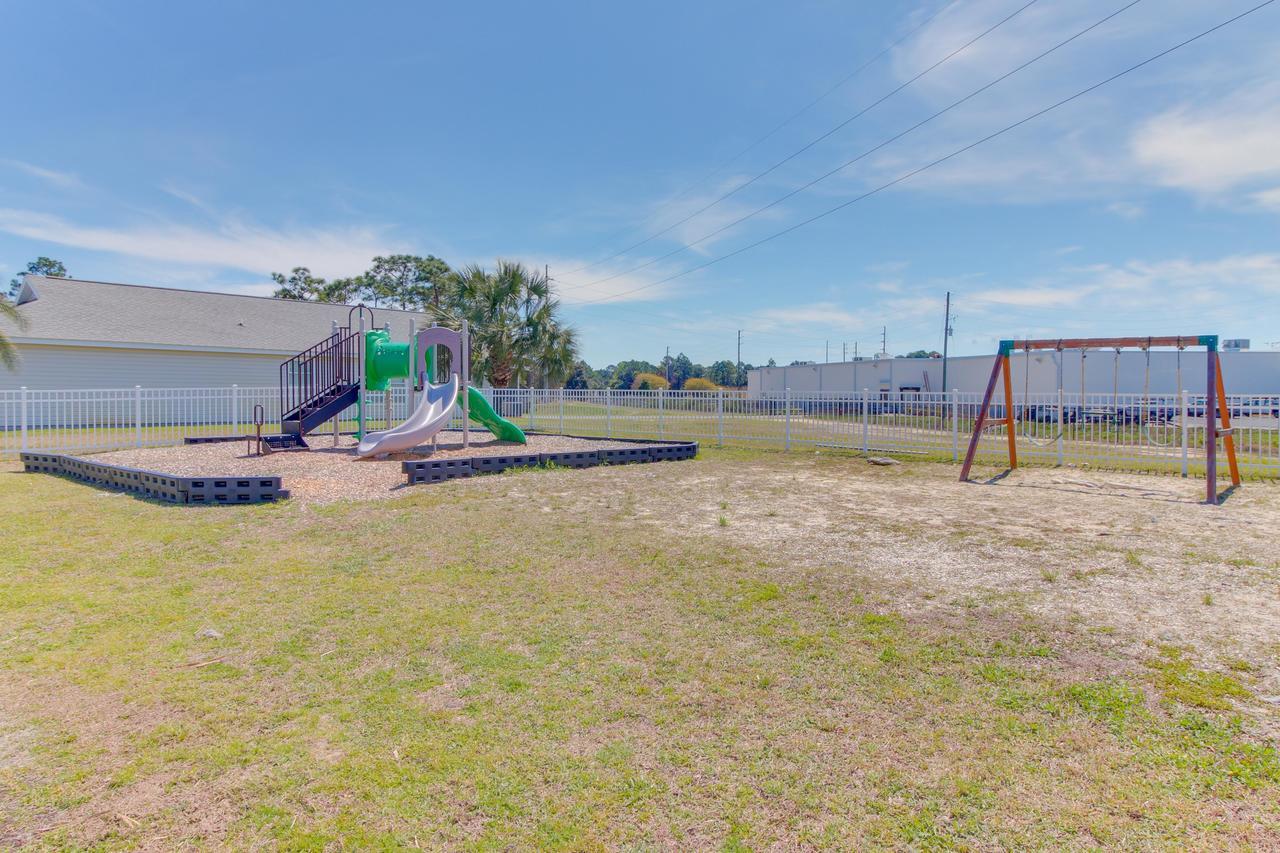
752	650
326	473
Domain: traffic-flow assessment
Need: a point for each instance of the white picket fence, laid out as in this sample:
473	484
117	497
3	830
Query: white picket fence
1128	432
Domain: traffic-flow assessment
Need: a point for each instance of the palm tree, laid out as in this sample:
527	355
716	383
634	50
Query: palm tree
515	330
8	352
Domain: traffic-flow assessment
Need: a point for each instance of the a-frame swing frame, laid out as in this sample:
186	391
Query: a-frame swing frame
1215	398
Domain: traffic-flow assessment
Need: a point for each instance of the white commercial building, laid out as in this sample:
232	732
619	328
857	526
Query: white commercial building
1247	372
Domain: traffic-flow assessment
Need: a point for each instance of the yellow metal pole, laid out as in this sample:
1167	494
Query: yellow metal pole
1008	411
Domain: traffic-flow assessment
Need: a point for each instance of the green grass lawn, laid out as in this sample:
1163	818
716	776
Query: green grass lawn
474	666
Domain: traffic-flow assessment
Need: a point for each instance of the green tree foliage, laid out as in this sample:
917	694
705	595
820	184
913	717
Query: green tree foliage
583	377
514	318
624	372
681	370
723	373
299	284
405	281
649	382
40	266
922	353
8	311
698	383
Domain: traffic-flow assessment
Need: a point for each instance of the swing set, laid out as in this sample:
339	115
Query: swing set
1215	399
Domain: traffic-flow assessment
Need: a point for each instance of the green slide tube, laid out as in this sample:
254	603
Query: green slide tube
483	414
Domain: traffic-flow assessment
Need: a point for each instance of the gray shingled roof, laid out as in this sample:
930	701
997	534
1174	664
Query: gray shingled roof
67	309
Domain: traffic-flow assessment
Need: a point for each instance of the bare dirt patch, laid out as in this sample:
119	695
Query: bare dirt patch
1135	554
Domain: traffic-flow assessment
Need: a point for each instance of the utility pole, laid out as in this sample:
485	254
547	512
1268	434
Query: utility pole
667	362
855	350
826	353
946	339
884	340
738	373
844	350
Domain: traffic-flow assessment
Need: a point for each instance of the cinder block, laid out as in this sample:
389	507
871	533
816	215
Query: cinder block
625	455
673	452
572	459
435	470
495	464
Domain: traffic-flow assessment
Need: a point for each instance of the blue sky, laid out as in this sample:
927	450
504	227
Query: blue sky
205	145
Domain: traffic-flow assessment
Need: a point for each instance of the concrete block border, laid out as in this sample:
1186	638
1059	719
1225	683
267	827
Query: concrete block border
157	485
438	470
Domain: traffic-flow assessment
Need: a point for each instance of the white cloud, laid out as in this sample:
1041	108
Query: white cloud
63	180
1032	297
1269	199
231	244
1214	148
717	216
1126	209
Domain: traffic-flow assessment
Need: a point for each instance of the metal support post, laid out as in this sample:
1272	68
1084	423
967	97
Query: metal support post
786	401
720	417
955	424
1182	428
866	420
137	415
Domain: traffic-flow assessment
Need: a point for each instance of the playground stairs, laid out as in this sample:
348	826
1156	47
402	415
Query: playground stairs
318	384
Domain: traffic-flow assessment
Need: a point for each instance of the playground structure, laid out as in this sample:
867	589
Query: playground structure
323	381
1215	401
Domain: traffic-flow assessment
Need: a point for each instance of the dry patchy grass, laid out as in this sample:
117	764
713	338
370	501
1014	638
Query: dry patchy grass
591	659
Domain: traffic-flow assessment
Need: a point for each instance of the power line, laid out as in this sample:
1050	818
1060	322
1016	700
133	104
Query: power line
809	144
846	164
736	157
956	153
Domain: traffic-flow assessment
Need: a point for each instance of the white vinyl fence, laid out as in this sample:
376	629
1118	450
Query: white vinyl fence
1127	432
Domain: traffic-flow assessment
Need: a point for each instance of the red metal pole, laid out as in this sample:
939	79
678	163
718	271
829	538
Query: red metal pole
1211	429
981	420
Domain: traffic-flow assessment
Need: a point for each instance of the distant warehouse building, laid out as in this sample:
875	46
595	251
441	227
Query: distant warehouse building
90	334
1130	372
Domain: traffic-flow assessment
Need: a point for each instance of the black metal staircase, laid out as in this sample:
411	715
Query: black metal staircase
318	383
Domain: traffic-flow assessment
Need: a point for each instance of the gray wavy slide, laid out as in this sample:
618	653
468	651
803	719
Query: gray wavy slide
432	415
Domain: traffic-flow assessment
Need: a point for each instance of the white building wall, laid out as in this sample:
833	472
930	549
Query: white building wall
54	367
1244	373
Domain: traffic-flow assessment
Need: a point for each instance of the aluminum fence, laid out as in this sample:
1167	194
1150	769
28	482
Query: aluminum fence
1125	431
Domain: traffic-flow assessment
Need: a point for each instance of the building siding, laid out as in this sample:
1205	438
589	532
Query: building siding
57	367
1243	372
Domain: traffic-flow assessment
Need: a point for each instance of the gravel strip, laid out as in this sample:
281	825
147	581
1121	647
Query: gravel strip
327	473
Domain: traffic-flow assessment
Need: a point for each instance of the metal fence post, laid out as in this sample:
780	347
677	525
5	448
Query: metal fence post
786	402
235	408
955	424
866	420
608	412
23	415
662	409
562	411
1061	422
532	425
720	418
137	415
1182	420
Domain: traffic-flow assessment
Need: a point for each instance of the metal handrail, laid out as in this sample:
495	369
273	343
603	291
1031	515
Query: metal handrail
313	374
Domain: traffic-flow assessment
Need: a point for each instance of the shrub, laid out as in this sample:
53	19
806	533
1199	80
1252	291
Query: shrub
697	383
648	382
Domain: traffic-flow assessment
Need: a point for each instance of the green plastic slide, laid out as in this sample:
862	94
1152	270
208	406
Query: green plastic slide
483	414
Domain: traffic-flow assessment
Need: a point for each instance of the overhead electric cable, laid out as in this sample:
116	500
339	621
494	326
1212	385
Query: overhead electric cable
912	173
846	164
814	142
751	147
